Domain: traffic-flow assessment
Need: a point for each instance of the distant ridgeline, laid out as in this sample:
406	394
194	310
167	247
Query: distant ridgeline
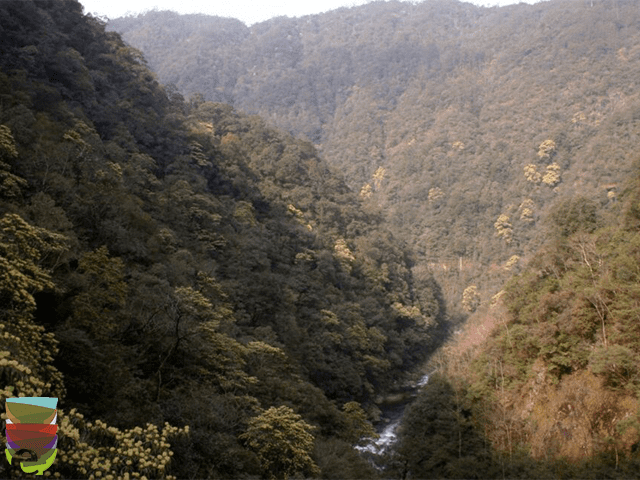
462	124
184	279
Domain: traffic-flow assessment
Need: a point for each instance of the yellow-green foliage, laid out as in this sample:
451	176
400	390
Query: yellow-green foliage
552	175
470	298
531	173
329	318
197	156
297	213
111	176
10	184
26	350
503	227
283	443
546	149
96	450
435	194
365	191
244	213
412	312
512	262
358	428
22	247
366	338
378	177
343	254
86	450
527	209
7	143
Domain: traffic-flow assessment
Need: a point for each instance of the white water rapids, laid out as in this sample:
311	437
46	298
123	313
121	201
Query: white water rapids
380	445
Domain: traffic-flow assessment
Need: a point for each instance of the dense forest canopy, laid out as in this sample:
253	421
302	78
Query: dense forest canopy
463	124
549	374
497	143
221	261
184	278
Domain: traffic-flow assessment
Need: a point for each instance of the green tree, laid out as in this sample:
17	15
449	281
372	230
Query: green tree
470	298
572	215
503	227
195	316
283	443
104	293
10	184
437	436
26	350
616	363
358	428
546	149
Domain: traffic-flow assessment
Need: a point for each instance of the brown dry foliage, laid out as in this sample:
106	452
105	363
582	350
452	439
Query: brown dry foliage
575	419
579	418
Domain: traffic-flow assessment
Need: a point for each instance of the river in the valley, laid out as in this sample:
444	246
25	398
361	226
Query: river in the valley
387	428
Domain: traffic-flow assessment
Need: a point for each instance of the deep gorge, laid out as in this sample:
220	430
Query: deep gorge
229	250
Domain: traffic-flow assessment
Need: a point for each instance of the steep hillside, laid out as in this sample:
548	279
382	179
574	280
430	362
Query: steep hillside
495	142
463	124
173	263
544	383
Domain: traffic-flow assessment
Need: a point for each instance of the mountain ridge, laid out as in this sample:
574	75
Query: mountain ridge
188	280
182	277
451	100
500	144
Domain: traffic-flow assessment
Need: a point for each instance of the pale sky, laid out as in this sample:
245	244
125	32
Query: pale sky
248	11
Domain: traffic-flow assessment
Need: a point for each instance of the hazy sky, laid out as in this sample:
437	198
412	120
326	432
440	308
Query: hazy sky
248	11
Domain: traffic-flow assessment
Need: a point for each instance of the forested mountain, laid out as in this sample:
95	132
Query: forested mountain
463	124
211	297
548	376
184	278
495	142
